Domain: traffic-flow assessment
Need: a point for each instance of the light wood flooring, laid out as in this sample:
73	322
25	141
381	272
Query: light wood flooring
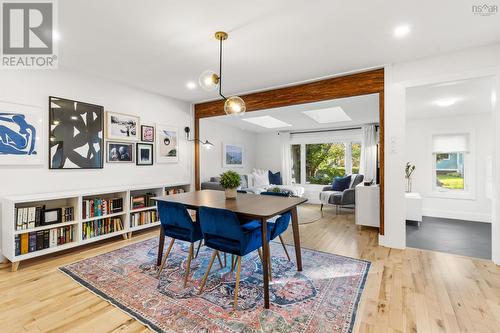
406	291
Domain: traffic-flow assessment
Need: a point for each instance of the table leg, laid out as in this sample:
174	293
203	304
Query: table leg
265	262
161	243
296	238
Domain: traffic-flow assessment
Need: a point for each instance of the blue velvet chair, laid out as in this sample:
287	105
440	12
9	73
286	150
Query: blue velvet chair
177	224
222	231
281	223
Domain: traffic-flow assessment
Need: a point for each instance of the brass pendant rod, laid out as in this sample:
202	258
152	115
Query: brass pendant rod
220	68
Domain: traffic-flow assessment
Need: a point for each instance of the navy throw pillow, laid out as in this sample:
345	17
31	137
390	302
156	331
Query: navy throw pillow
341	183
275	178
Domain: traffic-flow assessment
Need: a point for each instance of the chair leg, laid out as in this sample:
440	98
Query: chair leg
208	271
237	285
198	250
269	262
260	255
233	263
225	260
166	256
188	264
220	261
321	208
284	247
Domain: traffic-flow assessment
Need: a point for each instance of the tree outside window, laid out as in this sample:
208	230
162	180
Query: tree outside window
324	161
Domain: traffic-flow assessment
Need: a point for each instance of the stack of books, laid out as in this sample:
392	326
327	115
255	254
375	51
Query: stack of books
43	239
101	227
173	191
142	201
100	207
141	218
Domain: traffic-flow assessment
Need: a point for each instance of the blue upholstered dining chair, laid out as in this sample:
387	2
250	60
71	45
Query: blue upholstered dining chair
177	224
281	223
222	231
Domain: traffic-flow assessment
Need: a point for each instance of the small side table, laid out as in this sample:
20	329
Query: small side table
413	207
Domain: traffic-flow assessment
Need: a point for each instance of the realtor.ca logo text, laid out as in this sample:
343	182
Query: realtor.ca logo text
28	35
484	9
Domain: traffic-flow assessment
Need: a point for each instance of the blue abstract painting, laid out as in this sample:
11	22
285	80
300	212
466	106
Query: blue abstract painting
17	135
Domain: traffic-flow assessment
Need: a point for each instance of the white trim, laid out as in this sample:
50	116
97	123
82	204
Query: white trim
458	215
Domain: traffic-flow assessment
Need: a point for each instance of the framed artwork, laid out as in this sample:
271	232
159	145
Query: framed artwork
167	144
119	152
144	154
232	155
21	134
147	133
76	134
122	127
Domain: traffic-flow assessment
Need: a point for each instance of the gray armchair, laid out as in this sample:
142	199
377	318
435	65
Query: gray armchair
340	198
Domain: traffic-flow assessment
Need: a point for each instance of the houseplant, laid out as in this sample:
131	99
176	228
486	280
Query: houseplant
409	168
230	181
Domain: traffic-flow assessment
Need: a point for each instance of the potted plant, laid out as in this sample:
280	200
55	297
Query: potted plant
230	181
408	171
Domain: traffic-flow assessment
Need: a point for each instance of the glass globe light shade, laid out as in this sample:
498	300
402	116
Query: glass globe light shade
234	105
208	80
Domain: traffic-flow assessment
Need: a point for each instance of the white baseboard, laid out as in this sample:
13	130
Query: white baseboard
458	215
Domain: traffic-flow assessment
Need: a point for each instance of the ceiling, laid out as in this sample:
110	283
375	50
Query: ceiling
161	45
470	96
361	109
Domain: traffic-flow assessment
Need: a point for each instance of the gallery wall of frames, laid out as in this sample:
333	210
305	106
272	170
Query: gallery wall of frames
82	136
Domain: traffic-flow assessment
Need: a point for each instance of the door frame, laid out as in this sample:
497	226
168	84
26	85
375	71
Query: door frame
350	85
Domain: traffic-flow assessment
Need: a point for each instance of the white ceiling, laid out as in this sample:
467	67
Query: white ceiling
361	109
471	96
160	45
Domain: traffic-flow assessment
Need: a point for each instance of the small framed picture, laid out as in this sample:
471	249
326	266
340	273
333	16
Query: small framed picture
167	144
120	152
122	126
232	155
51	216
147	133
144	152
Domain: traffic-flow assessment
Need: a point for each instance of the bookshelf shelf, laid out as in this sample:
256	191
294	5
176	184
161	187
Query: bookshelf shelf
137	210
76	199
90	219
46	227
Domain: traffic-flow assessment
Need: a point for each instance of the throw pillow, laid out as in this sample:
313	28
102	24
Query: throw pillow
341	183
260	179
275	178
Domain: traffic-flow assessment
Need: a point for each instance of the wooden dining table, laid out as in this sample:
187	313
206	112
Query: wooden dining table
246	205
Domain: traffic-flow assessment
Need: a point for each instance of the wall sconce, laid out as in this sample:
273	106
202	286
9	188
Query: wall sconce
206	144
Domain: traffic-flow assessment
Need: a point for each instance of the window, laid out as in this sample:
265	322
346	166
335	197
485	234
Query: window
450	171
296	163
355	156
324	161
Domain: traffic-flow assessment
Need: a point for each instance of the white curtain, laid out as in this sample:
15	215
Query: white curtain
286	158
368	166
450	143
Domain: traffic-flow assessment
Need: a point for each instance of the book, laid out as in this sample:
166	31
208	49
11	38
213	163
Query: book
19	220
39	240
32	242
53	238
31	217
24	243
25	218
46	239
38	216
17	241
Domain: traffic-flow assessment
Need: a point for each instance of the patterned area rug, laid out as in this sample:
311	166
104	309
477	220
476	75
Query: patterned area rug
321	298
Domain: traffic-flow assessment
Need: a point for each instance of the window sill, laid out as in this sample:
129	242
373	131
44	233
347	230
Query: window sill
452	195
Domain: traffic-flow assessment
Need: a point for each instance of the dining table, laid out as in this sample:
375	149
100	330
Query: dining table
245	206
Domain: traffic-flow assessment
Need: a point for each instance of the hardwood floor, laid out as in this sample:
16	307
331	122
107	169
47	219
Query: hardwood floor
406	291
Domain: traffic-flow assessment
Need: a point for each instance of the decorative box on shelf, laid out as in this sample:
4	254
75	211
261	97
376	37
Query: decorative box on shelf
39	224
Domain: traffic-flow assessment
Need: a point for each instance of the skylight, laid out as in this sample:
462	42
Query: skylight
329	115
267	122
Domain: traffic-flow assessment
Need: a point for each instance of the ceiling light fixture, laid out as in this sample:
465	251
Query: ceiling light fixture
209	80
445	102
402	31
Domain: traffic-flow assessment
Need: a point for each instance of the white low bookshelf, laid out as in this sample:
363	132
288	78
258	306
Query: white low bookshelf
133	216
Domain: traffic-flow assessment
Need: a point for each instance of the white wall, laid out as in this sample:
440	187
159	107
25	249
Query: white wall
268	156
217	133
453	66
419	153
34	87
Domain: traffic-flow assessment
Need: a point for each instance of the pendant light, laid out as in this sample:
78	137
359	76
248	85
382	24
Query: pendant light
209	81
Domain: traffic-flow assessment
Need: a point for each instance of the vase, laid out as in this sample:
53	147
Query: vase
230	193
408	185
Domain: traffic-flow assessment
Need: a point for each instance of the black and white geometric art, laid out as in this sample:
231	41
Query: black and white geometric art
76	132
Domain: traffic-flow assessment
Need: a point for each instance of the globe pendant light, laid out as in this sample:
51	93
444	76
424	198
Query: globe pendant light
209	80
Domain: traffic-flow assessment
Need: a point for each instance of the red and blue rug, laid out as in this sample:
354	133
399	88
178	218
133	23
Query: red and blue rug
322	298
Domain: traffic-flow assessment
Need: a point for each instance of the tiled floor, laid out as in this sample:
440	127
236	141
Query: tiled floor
466	238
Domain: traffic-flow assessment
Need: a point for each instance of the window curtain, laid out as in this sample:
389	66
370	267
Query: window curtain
286	158
368	166
450	143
